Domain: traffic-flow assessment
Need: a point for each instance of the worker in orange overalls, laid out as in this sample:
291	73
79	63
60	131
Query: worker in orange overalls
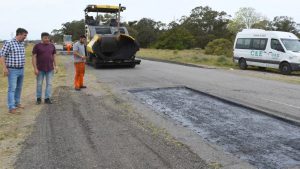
79	50
69	48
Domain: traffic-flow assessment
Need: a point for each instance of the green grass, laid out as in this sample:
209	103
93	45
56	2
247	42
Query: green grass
193	56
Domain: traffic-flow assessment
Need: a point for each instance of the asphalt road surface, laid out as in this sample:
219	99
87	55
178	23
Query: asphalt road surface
274	97
87	130
265	142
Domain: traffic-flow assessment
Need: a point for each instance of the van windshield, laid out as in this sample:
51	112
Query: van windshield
291	44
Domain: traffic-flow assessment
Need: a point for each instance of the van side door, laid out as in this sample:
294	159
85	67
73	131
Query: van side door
258	51
275	53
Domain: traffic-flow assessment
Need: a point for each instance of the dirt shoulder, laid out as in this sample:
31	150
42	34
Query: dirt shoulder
15	128
95	129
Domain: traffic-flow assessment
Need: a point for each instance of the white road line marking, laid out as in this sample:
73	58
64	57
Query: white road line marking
297	107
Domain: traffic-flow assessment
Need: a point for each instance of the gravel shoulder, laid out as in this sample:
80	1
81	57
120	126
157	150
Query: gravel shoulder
85	131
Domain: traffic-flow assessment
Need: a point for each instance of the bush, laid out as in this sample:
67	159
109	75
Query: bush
224	61
177	38
219	47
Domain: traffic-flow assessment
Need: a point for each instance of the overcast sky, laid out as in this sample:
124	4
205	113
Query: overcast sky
45	15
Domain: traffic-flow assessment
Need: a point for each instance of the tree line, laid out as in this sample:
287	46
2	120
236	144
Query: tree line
196	30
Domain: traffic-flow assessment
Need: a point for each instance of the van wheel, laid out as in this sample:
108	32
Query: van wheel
243	64
285	68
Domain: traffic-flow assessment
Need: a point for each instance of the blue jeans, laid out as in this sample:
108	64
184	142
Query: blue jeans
39	85
15	83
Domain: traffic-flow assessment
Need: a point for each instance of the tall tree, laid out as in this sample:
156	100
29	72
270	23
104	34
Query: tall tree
263	24
245	18
284	23
57	35
74	28
147	31
175	38
206	25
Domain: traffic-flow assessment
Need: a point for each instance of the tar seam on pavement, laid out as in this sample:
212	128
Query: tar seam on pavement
263	141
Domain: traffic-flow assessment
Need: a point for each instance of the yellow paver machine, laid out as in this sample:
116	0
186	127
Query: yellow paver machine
109	43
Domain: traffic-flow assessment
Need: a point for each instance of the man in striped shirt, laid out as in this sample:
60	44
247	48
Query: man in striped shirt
12	57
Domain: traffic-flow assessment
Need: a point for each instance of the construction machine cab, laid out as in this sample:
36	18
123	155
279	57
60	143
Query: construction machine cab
108	42
114	10
89	20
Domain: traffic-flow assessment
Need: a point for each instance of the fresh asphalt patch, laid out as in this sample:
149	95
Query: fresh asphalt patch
265	142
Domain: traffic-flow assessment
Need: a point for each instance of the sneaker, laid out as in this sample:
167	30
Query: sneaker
83	87
38	101
14	111
48	101
20	106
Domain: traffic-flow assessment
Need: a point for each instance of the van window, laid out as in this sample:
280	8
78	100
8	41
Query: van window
275	44
259	44
291	44
243	43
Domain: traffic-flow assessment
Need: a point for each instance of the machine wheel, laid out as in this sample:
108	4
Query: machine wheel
132	65
285	68
243	64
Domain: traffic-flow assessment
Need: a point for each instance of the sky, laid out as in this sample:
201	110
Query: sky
45	15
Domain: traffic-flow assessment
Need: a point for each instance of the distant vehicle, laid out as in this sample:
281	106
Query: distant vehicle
267	49
108	43
68	43
58	47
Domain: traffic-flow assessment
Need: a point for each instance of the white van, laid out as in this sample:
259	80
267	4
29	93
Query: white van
272	49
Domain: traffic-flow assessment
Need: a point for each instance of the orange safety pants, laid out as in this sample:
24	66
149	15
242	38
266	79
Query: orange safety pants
79	73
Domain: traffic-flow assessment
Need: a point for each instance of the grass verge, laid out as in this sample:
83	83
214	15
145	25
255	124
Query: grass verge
194	56
15	128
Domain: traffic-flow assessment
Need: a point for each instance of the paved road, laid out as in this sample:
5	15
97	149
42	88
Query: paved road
274	97
279	99
88	129
94	129
261	140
